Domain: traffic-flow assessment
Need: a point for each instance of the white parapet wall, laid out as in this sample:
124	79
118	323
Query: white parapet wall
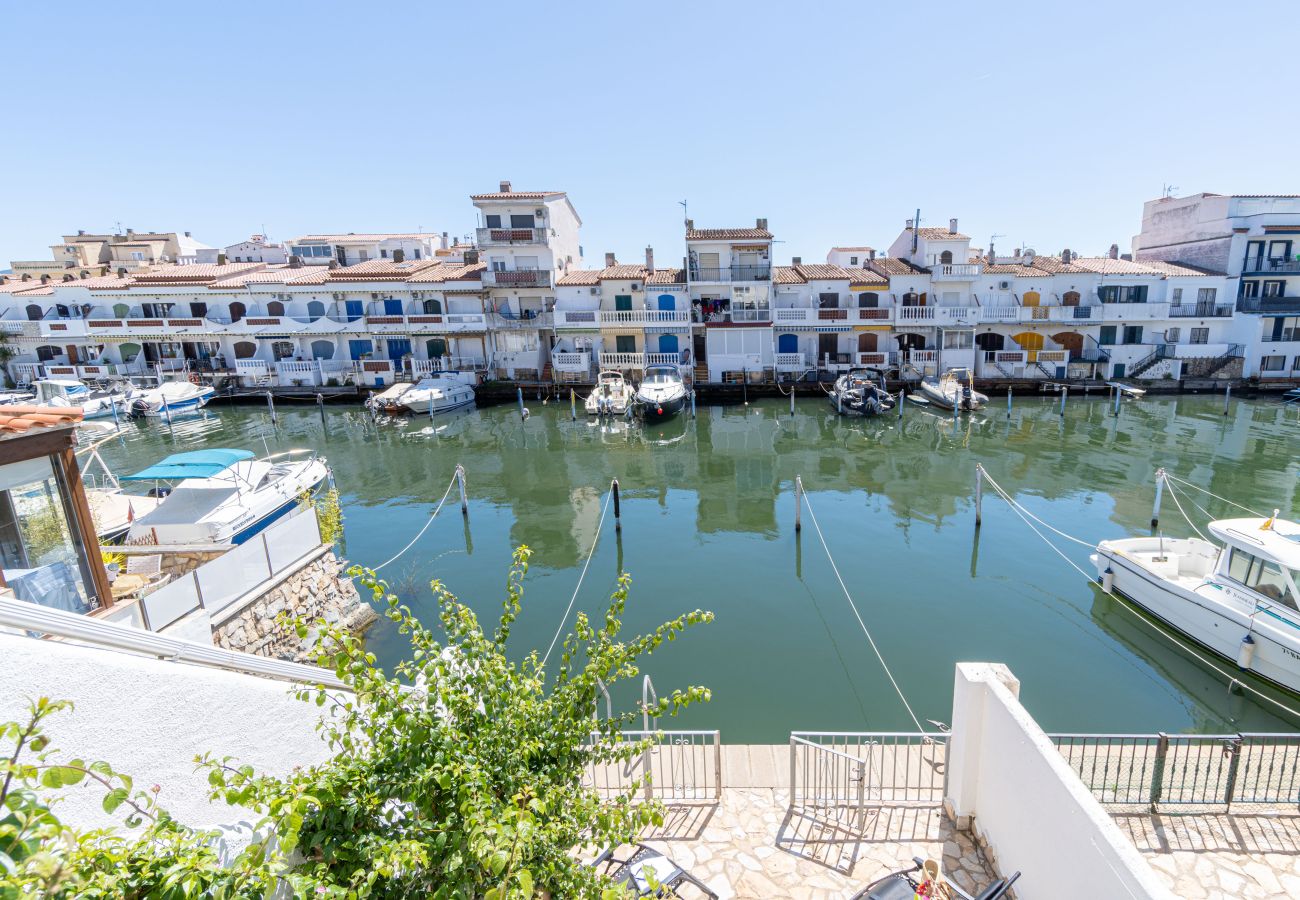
149	718
1007	779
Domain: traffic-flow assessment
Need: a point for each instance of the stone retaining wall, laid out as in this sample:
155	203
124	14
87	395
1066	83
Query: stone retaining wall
319	589
176	560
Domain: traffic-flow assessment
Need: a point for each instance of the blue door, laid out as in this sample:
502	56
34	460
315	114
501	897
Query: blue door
667	343
354	308
356	349
787	343
392	307
398	347
666	302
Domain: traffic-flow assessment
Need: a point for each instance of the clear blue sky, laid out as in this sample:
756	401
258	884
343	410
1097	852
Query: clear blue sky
1049	123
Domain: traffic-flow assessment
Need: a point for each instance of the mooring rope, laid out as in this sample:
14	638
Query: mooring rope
1125	605
420	533
1197	487
1007	497
590	553
1174	496
872	641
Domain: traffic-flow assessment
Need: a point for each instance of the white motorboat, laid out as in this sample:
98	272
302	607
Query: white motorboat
955	387
223	496
610	397
1241	599
437	392
860	392
8	398
93	402
171	398
661	395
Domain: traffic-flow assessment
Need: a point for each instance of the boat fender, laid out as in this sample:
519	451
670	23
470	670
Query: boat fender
1246	652
1108	579
659	410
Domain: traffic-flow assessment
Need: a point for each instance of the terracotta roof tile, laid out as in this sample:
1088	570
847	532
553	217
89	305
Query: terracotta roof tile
666	276
517	195
1104	265
1181	270
786	275
1014	270
446	272
382	270
199	274
728	234
940	234
862	277
21	418
19	287
102	283
623	273
1054	265
311	275
821	272
892	265
580	278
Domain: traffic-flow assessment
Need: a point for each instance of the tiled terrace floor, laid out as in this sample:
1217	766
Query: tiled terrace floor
1218	856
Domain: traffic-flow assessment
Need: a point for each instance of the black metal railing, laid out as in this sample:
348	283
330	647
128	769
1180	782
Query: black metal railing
1200	310
1281	305
1259	266
731	273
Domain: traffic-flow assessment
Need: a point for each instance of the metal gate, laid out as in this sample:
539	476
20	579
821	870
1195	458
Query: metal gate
827	783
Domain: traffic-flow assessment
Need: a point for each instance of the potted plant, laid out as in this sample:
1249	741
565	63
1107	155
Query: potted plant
113	562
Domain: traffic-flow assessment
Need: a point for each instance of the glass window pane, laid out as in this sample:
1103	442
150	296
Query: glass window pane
38	545
1239	566
1267	579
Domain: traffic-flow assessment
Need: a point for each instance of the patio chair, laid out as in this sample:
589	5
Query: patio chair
645	862
149	567
902	886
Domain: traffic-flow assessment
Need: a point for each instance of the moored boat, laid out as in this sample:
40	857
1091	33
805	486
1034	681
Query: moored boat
1239	597
437	392
955	387
610	397
170	398
223	496
93	402
860	392
661	395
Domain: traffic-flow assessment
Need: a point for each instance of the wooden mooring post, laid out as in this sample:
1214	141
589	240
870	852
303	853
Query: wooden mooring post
618	519
464	499
798	503
979	495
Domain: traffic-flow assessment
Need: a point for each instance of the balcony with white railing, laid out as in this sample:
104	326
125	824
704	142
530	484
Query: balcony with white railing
878	359
957	315
526	319
25	372
665	359
622	360
506	237
956	271
523	278
297	372
571	362
920	358
879	315
790	362
609	317
1006	314
905	314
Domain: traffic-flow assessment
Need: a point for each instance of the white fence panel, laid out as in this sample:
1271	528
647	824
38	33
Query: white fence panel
291	540
230	576
171	601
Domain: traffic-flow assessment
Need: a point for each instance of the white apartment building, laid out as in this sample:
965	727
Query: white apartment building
1255	241
729	283
350	249
256	249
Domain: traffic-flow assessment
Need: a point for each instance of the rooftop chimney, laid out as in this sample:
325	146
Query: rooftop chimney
1065	256
471	257
909	225
1114	251
187	234
130	231
762	224
295	261
952	226
333	264
1029	256
399	255
443	242
690	224
1127	257
505	187
1017	253
871	254
221	259
650	258
796	261
81	231
610	260
991	258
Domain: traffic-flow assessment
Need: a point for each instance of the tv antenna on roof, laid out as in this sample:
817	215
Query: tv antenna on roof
1169	190
993	237
685	212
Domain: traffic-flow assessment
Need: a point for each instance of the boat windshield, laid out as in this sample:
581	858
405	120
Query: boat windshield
661	376
1264	577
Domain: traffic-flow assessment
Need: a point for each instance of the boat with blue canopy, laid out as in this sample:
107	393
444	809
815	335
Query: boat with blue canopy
222	495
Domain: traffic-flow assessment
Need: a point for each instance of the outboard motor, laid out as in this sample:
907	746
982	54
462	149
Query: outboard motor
139	407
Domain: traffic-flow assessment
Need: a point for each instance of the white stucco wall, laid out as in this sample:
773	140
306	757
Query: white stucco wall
1023	799
149	718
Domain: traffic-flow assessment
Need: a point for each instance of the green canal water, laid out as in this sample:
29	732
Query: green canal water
708	521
